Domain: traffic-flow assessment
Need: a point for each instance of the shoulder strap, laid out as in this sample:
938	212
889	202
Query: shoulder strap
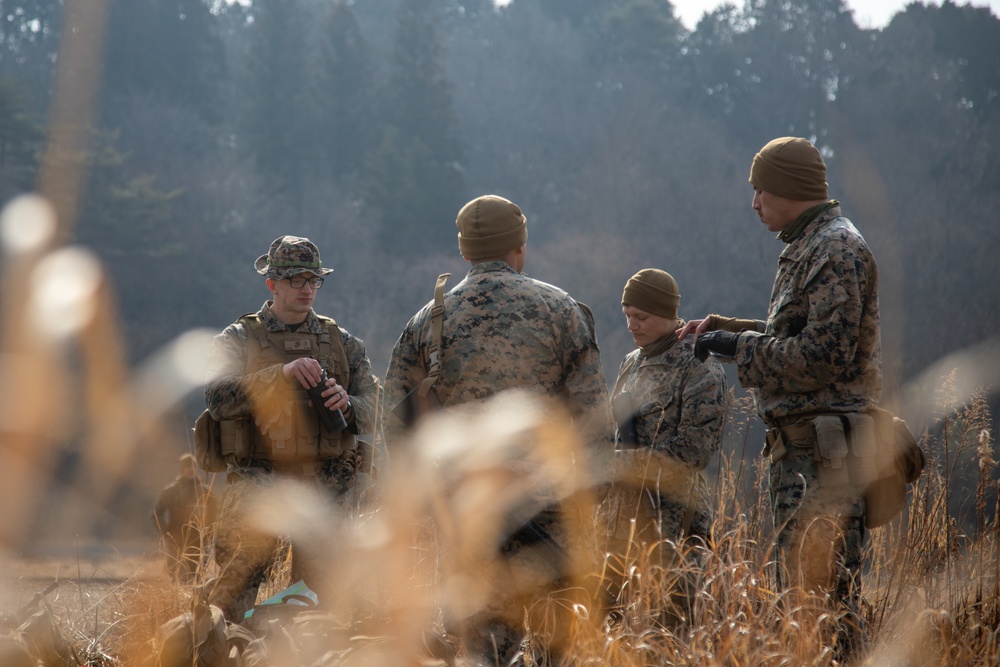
437	321
331	333
332	346
255	328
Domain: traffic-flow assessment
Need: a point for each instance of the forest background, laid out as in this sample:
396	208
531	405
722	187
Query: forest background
625	138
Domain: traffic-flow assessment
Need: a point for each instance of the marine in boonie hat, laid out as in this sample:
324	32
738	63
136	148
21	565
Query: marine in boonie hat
289	256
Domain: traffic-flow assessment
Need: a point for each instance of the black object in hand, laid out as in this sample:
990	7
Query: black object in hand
333	420
624	414
718	343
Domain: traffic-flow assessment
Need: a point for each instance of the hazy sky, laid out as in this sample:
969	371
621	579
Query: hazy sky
867	13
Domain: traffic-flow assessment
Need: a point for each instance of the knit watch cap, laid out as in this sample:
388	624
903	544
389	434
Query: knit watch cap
654	291
489	227
790	167
289	256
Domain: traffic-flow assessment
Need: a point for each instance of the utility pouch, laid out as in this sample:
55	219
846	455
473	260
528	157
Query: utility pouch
899	460
208	444
863	447
831	445
237	438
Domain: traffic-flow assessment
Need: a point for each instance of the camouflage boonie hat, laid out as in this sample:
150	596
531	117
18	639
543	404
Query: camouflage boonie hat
289	256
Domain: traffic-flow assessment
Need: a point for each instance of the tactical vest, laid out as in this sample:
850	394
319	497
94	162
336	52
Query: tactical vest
291	431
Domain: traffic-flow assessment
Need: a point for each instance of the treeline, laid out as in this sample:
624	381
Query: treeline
625	138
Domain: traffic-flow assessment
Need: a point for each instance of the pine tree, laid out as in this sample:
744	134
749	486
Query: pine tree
20	142
345	101
415	180
275	118
168	50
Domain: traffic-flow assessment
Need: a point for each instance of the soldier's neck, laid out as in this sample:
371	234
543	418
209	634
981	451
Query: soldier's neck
288	318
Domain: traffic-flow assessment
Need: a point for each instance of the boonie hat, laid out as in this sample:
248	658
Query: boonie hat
289	256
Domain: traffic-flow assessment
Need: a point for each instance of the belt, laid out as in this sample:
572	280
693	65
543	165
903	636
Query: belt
793	427
790	429
295	468
784	430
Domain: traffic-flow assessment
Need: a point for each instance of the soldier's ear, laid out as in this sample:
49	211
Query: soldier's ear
270	284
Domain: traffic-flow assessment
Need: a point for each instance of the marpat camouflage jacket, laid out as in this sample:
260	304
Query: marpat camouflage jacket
821	350
503	330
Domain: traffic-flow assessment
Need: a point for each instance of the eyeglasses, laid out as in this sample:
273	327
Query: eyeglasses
298	282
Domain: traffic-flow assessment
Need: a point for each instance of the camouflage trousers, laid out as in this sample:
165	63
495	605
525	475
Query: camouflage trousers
244	553
661	541
529	586
820	537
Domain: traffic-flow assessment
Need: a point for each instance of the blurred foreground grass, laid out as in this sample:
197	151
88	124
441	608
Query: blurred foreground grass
422	546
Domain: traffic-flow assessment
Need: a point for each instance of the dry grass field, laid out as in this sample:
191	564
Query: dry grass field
423	546
931	591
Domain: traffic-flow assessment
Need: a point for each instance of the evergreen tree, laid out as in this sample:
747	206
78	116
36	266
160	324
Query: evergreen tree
168	50
122	216
415	178
642	34
29	44
345	103
20	142
274	125
776	68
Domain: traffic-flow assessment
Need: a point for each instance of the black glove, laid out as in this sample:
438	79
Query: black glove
719	343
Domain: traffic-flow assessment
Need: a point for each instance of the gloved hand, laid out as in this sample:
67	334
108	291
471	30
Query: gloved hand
720	343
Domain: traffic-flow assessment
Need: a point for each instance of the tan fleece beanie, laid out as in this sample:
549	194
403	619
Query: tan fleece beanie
654	291
490	226
790	167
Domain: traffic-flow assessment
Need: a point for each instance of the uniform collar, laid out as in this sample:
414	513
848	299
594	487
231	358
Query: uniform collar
273	324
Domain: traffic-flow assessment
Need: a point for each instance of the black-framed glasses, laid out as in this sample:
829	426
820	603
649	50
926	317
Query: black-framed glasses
298	282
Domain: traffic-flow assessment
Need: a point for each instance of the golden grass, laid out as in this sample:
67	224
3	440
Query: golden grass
422	559
931	588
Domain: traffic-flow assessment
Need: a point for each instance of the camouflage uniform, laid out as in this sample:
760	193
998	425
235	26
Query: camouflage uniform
679	408
244	552
184	512
820	353
501	331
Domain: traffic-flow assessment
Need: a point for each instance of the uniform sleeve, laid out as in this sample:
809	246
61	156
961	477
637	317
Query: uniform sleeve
702	417
406	371
229	388
834	293
364	391
585	386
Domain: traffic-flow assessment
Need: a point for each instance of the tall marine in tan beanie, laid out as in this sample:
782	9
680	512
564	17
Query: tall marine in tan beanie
814	368
790	167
